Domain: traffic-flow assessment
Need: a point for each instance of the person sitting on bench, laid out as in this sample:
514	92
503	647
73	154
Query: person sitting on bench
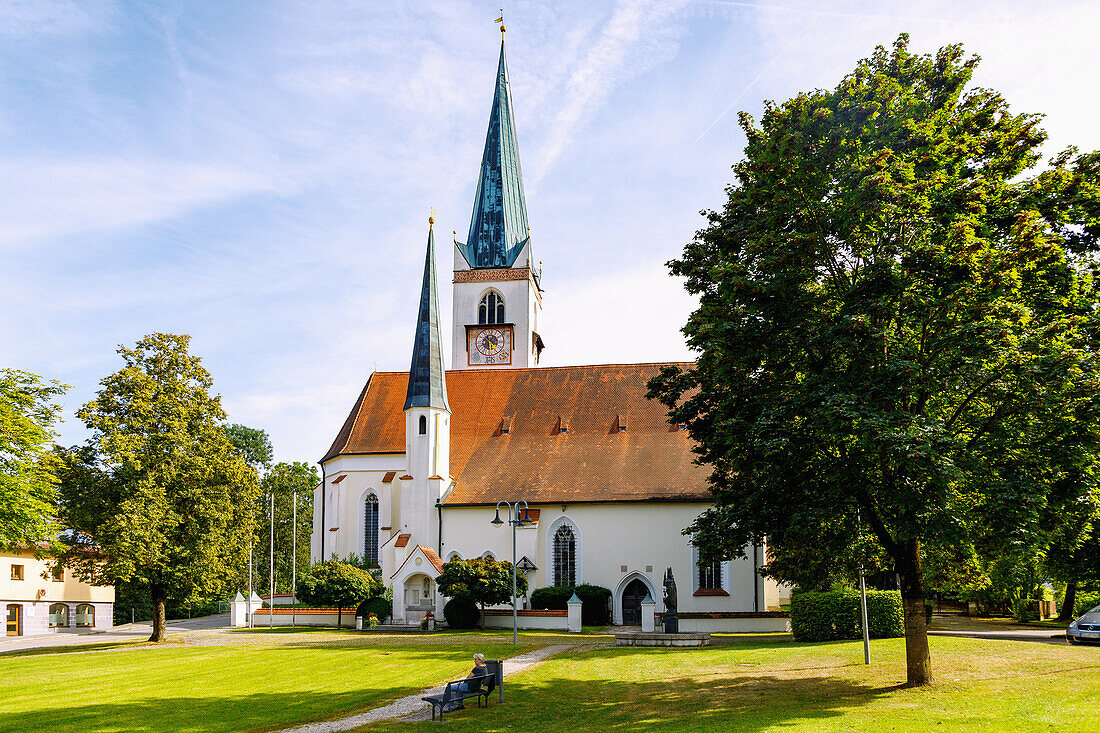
479	670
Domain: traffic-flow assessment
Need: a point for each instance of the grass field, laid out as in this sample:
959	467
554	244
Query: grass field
241	681
253	682
768	685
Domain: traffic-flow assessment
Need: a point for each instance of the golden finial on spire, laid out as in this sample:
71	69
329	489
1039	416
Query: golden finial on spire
501	21
431	218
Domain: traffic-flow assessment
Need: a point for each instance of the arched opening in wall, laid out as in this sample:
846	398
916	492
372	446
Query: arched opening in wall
15	619
488	555
85	615
59	616
565	556
454	555
633	594
423	425
491	309
370	529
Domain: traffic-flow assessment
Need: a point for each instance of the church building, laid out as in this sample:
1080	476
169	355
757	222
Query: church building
414	476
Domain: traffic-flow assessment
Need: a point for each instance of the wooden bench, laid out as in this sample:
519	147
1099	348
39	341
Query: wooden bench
475	687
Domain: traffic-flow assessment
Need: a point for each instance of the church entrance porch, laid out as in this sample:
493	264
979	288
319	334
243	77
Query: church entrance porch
417	597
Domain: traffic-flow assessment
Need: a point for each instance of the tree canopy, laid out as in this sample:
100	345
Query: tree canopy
284	481
896	325
28	477
157	495
486	582
253	443
333	583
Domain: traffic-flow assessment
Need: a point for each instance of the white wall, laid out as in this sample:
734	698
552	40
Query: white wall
643	537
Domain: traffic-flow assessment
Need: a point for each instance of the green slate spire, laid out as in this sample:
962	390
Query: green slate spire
498	227
427	382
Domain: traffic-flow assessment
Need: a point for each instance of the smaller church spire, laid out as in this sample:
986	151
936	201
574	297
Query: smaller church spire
427	382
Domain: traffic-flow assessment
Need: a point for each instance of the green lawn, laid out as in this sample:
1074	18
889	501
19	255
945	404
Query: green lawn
257	681
264	680
771	685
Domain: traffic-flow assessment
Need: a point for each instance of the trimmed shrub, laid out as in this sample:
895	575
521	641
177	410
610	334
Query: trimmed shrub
554	597
1025	610
379	606
595	604
461	613
837	615
595	601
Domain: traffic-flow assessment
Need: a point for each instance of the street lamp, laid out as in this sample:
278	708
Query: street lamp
516	520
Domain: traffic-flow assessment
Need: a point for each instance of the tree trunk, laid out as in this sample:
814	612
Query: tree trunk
483	617
1069	602
918	661
160	622
339	614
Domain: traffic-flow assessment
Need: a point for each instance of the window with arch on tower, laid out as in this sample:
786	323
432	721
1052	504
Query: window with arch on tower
423	426
565	556
370	529
491	310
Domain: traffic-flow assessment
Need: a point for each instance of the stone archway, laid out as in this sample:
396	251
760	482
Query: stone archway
638	586
418	597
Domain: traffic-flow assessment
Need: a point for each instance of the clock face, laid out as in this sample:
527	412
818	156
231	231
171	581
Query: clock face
489	345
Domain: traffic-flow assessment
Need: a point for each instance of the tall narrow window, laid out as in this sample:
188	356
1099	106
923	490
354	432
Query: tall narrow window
710	575
491	310
370	529
565	556
423	425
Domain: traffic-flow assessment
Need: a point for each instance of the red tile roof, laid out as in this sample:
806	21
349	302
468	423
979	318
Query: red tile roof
402	540
593	462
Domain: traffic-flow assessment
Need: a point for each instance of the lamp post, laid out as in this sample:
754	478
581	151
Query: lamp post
516	520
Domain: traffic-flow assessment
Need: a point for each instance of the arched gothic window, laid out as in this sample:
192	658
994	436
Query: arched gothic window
423	425
370	529
565	556
491	310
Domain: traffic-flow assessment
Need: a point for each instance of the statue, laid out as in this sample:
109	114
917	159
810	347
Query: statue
672	624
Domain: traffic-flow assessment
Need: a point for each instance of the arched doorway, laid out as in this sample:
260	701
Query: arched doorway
633	594
15	620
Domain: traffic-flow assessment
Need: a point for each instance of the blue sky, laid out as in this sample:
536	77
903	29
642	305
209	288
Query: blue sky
259	174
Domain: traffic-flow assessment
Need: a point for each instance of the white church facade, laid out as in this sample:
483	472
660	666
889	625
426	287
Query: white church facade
414	475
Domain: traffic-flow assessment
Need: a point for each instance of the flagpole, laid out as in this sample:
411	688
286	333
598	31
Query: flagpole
294	559
271	570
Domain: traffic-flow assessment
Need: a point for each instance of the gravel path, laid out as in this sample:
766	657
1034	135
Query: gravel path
412	708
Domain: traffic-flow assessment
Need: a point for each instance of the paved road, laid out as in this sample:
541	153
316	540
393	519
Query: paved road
126	632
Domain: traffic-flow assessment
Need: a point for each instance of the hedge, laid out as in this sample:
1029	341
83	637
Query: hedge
1085	602
837	615
379	606
461	613
595	601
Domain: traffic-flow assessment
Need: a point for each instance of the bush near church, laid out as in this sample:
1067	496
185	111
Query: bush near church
461	613
595	601
380	606
337	584
837	615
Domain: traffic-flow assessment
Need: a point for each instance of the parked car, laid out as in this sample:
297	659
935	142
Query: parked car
1085	629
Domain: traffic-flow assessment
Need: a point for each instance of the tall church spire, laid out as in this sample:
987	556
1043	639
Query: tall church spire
498	227
427	383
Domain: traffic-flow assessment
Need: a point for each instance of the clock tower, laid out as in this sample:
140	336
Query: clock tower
497	284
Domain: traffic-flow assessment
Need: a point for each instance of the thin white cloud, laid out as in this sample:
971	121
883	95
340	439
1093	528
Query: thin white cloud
43	198
22	19
637	36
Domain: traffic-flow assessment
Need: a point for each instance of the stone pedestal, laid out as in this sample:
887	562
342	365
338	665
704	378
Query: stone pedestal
649	609
574	605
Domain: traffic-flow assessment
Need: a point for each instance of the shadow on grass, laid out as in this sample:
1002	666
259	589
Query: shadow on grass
744	703
243	712
71	649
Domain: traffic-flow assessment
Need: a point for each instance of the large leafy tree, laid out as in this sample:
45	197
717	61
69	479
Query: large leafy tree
253	443
486	582
285	481
28	478
334	583
158	496
896	324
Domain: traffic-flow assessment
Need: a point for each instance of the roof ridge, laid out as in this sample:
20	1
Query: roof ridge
552	368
